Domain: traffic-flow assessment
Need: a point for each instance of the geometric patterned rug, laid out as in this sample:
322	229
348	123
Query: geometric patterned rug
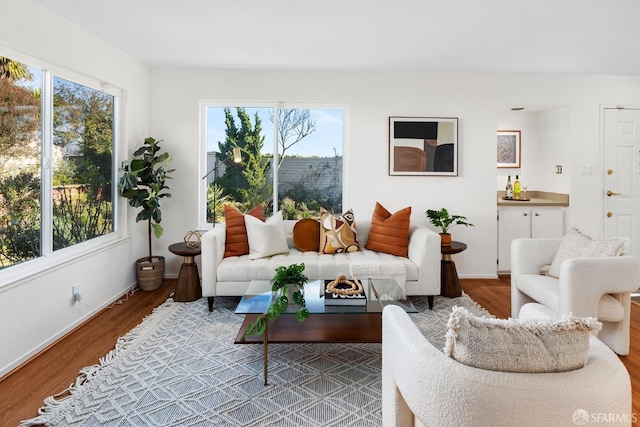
179	367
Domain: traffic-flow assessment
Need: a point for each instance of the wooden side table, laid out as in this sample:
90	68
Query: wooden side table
449	282
188	287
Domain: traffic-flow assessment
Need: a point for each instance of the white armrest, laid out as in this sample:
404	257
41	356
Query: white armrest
529	255
212	248
424	251
583	281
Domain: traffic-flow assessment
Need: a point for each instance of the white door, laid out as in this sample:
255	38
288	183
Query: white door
621	187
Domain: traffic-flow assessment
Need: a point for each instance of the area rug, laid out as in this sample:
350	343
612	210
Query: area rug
179	367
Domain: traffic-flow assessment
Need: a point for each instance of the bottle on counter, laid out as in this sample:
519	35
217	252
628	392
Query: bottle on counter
516	188
508	192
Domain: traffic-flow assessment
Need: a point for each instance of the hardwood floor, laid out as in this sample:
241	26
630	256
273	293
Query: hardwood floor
23	391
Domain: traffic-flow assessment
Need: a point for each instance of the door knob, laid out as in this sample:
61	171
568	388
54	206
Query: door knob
609	214
612	193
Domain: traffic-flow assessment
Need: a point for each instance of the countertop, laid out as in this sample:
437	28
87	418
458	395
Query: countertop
538	198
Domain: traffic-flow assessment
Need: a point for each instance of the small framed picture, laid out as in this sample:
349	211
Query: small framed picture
508	149
423	146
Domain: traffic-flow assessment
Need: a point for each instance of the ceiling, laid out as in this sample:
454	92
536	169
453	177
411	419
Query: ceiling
547	36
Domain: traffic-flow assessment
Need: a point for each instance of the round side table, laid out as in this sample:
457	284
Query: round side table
449	282
188	286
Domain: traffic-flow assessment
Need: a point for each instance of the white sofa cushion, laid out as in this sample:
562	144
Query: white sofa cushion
519	345
317	266
544	288
610	309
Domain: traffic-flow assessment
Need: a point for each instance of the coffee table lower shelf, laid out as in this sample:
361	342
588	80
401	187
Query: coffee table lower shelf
319	328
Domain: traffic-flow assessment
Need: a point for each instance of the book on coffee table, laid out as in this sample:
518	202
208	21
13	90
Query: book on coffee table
337	299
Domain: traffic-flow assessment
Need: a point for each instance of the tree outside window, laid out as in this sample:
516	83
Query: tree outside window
81	146
305	164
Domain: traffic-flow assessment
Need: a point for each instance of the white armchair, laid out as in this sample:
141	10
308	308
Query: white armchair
421	386
586	287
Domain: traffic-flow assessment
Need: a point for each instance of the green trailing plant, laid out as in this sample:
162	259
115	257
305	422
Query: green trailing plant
285	276
443	220
143	183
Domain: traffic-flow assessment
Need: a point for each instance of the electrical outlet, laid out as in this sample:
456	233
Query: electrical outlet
75	289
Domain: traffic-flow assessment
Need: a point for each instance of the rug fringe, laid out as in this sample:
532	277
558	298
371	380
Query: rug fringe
52	412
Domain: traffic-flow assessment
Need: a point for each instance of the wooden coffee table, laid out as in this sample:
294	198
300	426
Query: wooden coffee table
326	323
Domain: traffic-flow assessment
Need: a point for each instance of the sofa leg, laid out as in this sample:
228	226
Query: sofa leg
210	301
430	300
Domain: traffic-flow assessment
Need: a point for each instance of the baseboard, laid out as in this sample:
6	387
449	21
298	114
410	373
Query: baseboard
36	351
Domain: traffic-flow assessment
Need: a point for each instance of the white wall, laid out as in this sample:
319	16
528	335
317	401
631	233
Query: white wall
545	143
37	309
554	136
374	96
528	125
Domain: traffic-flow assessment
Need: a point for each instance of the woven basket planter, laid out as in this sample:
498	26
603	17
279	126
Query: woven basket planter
149	274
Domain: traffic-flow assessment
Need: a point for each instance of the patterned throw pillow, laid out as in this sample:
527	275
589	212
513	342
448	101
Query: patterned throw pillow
576	244
236	242
389	233
338	234
519	345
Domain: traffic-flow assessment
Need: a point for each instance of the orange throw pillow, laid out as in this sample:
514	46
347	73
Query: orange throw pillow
389	233
236	242
306	235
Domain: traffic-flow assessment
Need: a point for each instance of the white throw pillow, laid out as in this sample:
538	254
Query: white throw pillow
576	244
266	238
519	345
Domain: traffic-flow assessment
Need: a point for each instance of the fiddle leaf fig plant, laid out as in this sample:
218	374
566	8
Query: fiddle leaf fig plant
443	220
292	275
143	183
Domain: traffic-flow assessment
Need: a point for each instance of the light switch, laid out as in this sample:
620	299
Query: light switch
588	170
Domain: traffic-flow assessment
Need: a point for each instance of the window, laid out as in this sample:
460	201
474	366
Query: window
291	158
56	153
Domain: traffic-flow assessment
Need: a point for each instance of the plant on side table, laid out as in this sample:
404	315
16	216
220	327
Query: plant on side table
143	183
443	220
287	281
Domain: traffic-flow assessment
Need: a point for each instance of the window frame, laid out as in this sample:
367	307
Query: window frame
49	258
275	105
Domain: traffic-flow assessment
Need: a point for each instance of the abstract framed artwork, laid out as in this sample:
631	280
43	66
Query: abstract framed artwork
508	149
423	146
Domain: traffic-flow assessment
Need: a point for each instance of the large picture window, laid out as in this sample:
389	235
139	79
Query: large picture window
56	162
291	159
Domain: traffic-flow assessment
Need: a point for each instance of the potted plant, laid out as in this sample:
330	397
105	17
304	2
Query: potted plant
288	284
443	220
143	183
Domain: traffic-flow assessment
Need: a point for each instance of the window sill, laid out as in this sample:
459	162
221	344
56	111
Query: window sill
13	276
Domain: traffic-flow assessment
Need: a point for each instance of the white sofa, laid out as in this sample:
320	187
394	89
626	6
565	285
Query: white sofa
421	386
230	276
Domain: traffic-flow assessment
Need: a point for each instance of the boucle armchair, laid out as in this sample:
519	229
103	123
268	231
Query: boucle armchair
586	287
422	386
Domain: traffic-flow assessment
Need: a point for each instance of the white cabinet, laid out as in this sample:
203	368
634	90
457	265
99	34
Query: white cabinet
530	221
